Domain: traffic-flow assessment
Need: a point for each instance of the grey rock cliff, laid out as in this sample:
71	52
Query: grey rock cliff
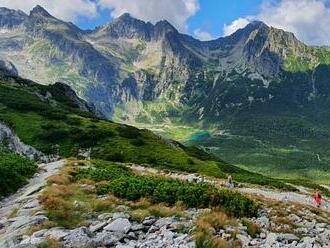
10	141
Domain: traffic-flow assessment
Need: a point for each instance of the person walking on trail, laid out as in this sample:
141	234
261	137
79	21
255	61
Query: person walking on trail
230	183
317	198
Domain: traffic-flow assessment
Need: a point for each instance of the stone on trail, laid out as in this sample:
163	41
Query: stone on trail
78	238
120	225
97	227
105	216
107	238
56	233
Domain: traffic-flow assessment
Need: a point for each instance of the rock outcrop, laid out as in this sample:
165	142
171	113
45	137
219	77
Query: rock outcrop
10	141
7	68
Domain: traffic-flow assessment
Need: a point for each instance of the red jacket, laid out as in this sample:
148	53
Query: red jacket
317	198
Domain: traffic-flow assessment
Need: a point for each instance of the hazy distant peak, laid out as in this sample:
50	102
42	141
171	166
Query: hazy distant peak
39	11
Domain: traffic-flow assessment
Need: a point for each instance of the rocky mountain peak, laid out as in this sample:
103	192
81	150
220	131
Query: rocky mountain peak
165	26
7	68
125	17
39	11
278	41
10	18
125	26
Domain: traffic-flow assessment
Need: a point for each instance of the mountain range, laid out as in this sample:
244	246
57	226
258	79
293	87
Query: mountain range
259	98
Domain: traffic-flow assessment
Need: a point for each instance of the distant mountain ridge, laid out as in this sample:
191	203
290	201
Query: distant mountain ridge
131	60
263	90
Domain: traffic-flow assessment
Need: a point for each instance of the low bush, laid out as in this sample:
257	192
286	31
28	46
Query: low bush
14	172
54	135
103	172
49	243
252	228
56	200
208	225
128	132
123	183
205	241
138	142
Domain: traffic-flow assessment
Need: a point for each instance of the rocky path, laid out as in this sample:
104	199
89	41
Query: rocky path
286	197
22	209
300	198
118	229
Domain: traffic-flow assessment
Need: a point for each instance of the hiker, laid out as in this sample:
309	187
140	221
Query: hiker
230	183
317	198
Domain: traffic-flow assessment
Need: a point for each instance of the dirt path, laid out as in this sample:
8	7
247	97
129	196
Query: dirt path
286	197
22	209
301	198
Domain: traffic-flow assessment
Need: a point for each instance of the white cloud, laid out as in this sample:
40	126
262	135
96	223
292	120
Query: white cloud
68	10
176	12
202	35
309	20
235	25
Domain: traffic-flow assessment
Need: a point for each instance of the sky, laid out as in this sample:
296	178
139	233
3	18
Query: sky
309	20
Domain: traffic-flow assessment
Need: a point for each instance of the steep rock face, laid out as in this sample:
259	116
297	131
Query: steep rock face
67	38
11	18
47	49
125	27
60	90
8	68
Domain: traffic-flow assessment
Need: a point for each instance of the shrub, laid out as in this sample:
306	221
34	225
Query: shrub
207	225
115	157
73	121
206	241
124	184
138	142
108	173
49	243
252	228
128	132
55	134
52	115
133	187
14	172
59	179
60	209
214	220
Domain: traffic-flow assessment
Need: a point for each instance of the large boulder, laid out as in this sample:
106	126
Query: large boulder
120	225
78	238
108	238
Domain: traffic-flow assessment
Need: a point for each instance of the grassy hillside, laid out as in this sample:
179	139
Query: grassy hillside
282	146
42	117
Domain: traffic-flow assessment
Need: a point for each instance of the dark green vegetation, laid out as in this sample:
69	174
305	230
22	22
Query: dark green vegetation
122	183
56	125
283	132
14	172
282	146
